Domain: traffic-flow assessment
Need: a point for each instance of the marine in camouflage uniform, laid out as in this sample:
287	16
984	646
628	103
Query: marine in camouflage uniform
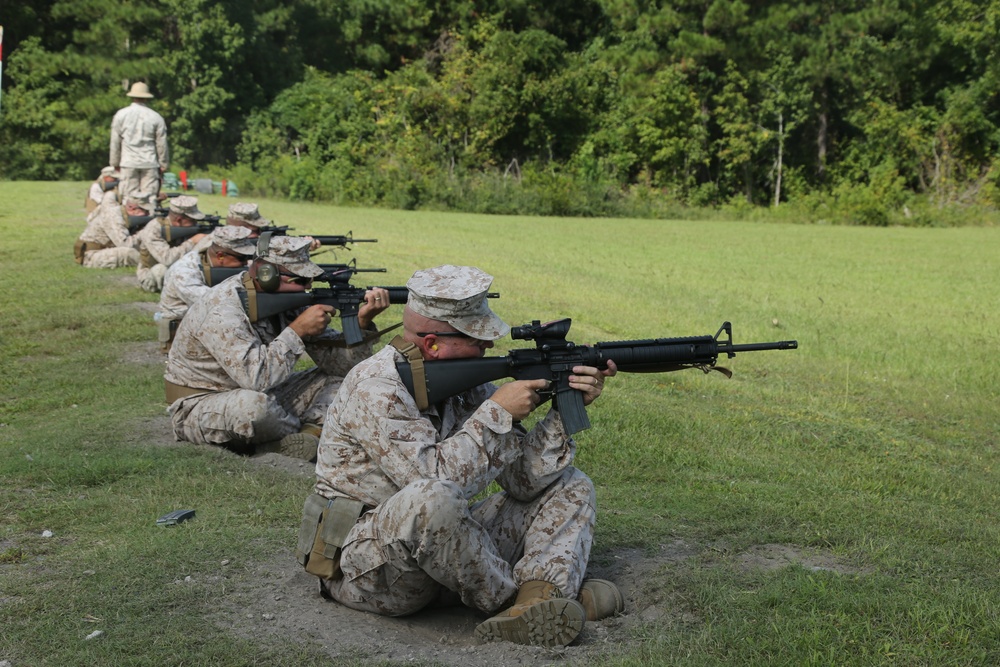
187	279
247	214
106	182
106	242
235	380
184	282
139	144
411	473
156	253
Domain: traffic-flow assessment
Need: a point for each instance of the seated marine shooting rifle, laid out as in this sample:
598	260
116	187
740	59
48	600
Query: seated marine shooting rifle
554	357
177	234
330	239
216	274
174	232
343	296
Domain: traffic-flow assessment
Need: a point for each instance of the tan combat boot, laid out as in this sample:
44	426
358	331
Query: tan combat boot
301	445
600	598
538	617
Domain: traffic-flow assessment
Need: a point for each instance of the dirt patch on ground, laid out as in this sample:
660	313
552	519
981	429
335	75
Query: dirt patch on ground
779	556
280	599
143	354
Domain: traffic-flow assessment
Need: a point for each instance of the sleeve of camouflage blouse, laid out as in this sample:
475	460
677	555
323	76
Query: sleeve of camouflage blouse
163	252
189	285
115	152
546	452
335	360
406	445
231	341
162	148
114	226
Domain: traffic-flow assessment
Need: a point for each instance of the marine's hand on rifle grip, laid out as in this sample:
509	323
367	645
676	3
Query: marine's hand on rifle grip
590	381
314	244
312	321
519	398
197	237
376	300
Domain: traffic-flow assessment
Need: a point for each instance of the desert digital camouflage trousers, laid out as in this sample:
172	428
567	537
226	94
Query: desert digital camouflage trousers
111	258
139	181
398	557
246	416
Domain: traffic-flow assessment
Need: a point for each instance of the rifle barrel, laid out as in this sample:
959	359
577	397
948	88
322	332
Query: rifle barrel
756	347
340	240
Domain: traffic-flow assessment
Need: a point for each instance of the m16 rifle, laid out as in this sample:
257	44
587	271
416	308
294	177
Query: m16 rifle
204	226
341	295
217	274
554	357
176	234
341	240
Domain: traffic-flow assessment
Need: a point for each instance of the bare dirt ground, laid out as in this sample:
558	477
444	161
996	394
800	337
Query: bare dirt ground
279	599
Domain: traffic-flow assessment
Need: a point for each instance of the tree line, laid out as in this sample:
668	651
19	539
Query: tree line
868	112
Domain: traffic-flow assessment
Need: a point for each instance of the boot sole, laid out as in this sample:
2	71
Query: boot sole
299	446
550	623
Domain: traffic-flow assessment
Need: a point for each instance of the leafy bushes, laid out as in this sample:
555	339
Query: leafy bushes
828	111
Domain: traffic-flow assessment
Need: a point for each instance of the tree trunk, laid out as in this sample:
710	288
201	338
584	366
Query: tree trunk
778	163
821	135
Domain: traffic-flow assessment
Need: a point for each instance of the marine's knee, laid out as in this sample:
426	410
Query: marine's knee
438	502
254	406
579	484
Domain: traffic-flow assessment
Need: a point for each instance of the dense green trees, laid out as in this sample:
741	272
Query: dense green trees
870	111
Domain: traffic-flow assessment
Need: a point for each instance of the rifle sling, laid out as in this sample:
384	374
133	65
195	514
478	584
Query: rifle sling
416	360
251	301
206	267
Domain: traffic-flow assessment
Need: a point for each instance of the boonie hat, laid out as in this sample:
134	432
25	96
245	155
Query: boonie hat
234	239
456	295
185	205
143	200
141	90
292	254
246	213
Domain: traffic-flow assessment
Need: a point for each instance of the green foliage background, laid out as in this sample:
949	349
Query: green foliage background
875	113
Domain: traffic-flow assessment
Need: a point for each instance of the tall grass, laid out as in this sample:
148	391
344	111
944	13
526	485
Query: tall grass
875	441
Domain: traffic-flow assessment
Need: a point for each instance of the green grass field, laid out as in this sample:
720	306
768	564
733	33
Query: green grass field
875	441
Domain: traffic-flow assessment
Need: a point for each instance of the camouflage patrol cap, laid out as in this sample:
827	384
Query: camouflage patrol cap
186	206
456	295
143	200
111	171
292	254
246	213
234	239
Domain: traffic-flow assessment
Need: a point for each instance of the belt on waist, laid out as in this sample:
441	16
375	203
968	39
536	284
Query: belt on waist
176	391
